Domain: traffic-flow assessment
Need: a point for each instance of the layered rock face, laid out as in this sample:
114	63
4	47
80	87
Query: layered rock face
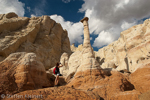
61	93
79	48
130	51
87	57
140	78
86	74
82	59
40	35
84	71
22	71
44	42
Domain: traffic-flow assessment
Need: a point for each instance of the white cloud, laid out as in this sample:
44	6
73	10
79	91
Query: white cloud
108	18
75	30
29	9
39	8
66	1
16	6
104	38
126	25
91	38
32	15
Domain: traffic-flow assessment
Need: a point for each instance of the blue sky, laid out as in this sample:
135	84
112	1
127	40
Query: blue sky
107	18
69	10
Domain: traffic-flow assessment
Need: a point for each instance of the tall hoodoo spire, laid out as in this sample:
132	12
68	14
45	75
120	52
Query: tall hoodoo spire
86	32
86	57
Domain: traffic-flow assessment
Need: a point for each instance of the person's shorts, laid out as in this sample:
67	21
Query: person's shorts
58	74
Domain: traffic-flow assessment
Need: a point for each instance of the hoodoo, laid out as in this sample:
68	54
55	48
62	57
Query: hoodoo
86	32
88	67
88	59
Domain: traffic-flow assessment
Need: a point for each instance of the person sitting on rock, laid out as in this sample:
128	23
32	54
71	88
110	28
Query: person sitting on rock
57	72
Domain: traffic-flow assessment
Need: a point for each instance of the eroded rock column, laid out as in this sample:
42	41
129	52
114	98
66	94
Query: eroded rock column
86	32
89	70
83	62
88	61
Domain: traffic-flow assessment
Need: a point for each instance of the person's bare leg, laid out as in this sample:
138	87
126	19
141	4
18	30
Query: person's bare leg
56	80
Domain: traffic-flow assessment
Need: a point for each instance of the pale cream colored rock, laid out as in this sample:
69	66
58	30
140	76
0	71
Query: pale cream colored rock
32	70
88	58
81	61
66	43
79	48
40	35
130	51
10	15
110	64
1	16
73	48
86	41
25	71
12	40
64	61
73	64
13	23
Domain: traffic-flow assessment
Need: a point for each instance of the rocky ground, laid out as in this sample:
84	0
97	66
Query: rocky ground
29	49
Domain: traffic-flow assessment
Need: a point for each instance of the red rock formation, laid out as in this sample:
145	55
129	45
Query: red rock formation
145	96
89	76
129	51
141	78
40	35
61	93
104	85
22	71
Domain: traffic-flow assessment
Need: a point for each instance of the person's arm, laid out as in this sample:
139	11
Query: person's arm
60	65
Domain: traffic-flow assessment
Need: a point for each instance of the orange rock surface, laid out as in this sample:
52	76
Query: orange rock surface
141	78
60	93
104	85
22	71
23	75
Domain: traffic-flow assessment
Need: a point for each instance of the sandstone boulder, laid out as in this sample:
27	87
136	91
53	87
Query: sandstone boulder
60	93
22	71
84	60
141	78
79	48
73	48
129	51
145	96
40	35
109	84
64	61
11	24
127	95
25	71
10	15
73	64
114	85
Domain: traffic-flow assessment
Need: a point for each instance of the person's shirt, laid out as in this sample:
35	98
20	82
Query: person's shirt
57	69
